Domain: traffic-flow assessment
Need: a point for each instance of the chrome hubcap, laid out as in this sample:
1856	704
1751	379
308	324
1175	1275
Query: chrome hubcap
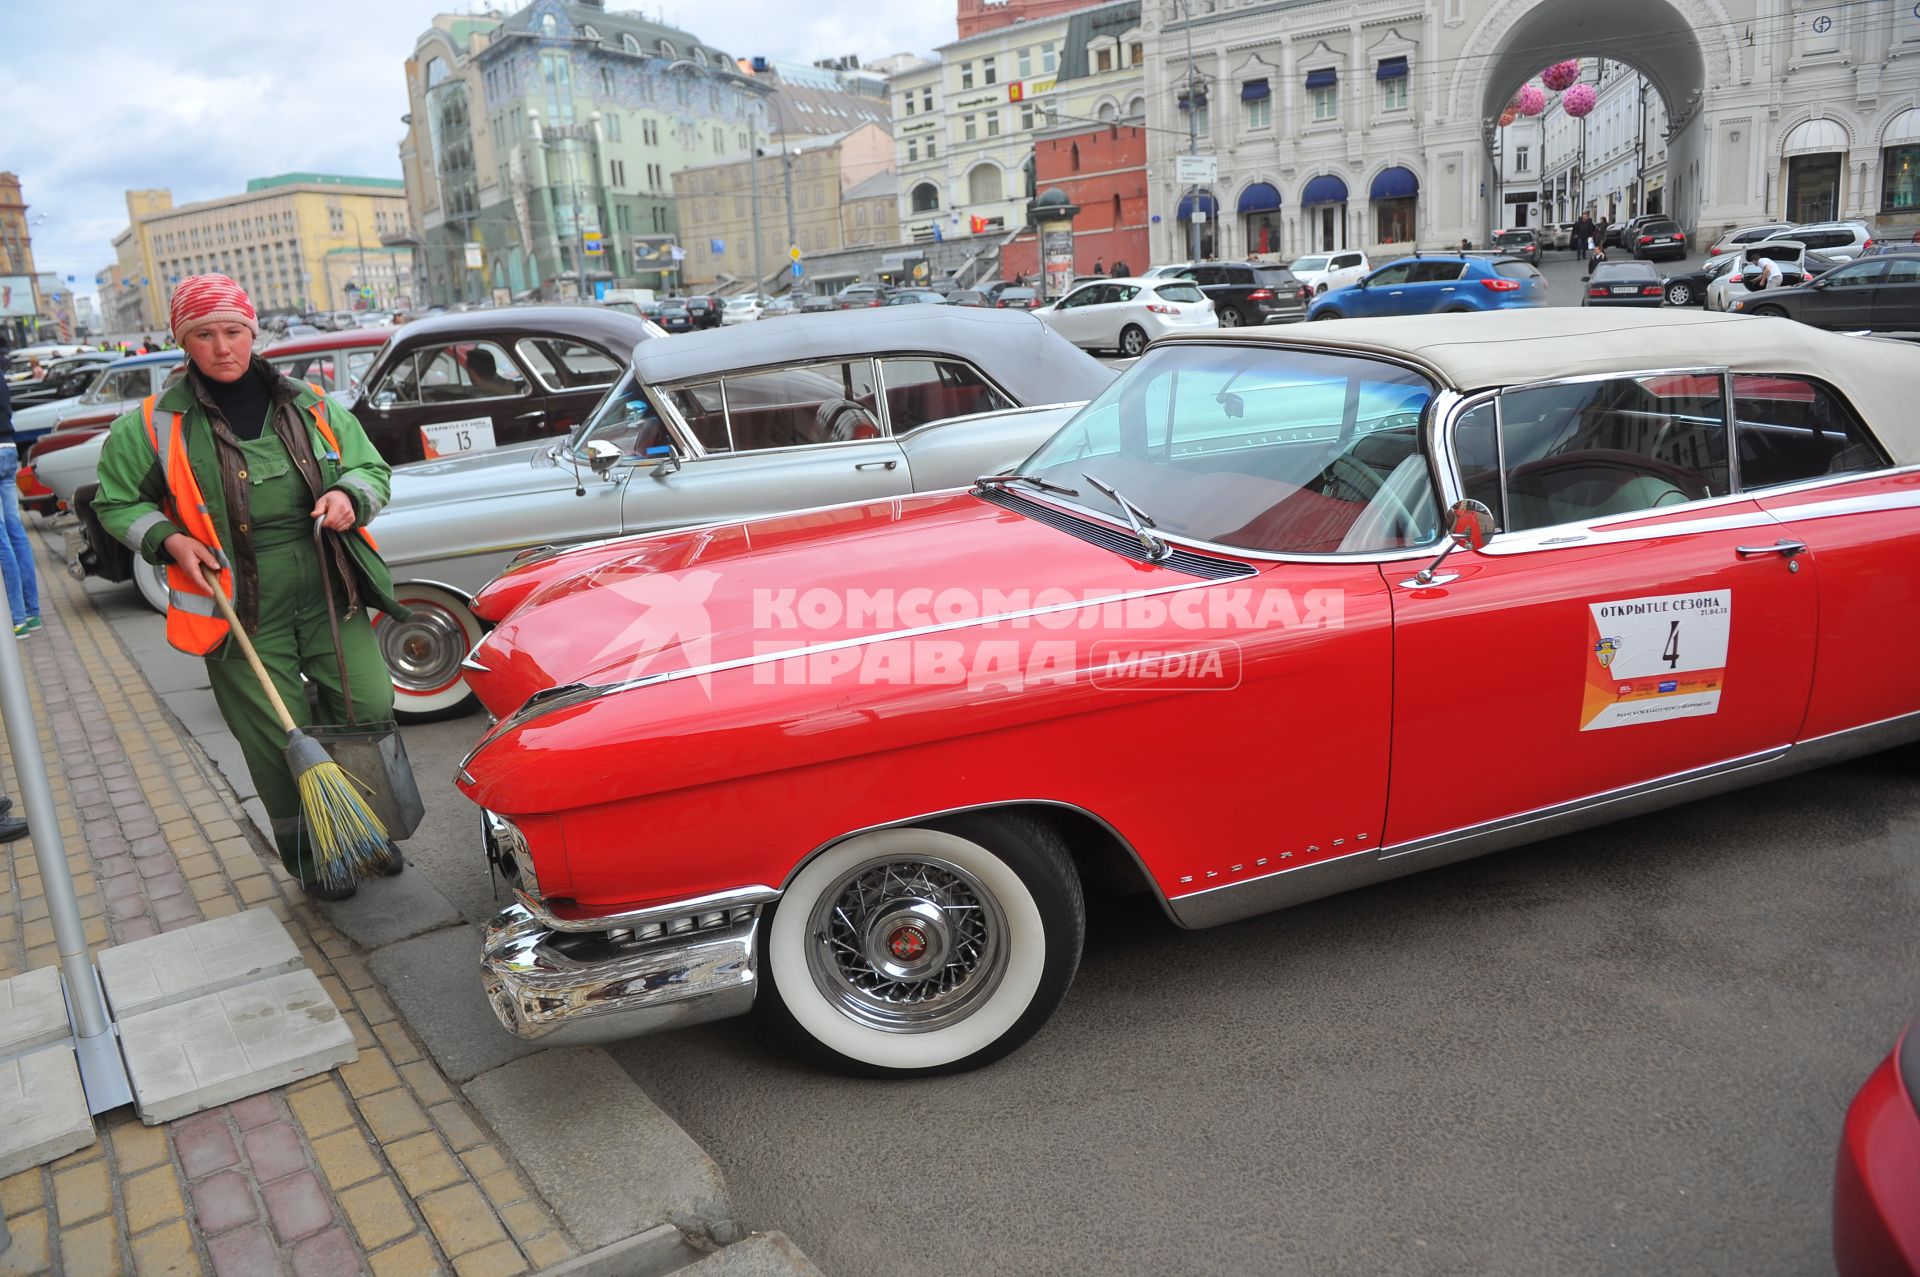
423	652
907	946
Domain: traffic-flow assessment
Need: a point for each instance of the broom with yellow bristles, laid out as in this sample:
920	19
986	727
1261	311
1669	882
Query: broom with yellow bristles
348	839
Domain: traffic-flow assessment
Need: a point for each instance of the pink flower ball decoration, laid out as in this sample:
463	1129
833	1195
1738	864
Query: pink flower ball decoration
1579	100
1533	100
1506	117
1561	76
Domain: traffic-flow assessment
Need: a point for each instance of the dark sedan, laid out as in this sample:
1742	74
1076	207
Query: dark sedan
968	297
1689	287
705	311
479	379
1521	243
1662	238
674	317
1623	284
1017	299
916	297
1872	293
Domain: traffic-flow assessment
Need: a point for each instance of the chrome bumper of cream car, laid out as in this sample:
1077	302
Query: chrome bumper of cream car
663	968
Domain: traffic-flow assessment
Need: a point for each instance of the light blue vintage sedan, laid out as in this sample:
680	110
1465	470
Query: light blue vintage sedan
721	425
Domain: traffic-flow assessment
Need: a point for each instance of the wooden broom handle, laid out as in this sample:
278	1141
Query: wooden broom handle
253	657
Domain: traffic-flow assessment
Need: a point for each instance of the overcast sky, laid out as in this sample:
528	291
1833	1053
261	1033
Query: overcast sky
101	96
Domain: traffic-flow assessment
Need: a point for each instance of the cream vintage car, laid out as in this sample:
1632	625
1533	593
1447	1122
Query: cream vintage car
719	425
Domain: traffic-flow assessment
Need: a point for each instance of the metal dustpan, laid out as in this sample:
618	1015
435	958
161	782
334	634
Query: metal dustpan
371	753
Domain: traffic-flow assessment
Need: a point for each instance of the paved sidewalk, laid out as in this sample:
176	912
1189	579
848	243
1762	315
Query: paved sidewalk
380	1166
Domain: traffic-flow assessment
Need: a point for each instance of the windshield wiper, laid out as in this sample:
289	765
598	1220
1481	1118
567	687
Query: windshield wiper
1137	519
1042	484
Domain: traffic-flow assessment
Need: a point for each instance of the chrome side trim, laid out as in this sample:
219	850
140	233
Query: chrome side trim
736	898
920	818
538	991
1230	903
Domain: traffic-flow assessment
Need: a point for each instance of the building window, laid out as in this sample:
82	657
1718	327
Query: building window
993	124
913	150
613	126
629	44
1027	117
1813	187
1522	160
1257	95
1326	103
1048	59
650	132
930	152
619	168
988	75
1103	59
1026	63
966	75
1136	54
667	50
969	128
909	101
1900	180
925	198
1393	94
926	98
1203	120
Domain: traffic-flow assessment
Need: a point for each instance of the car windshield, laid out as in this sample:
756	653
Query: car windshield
1266	449
1303	264
1514	237
626	419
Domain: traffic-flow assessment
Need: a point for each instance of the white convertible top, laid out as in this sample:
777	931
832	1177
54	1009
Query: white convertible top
1879	376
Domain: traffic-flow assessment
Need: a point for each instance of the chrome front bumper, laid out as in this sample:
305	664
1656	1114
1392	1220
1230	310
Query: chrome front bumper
664	969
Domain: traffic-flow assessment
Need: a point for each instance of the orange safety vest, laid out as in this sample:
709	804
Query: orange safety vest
194	623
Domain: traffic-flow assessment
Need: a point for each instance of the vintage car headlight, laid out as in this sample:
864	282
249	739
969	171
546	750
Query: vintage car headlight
507	846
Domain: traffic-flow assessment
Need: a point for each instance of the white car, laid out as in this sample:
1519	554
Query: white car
1845	240
1126	314
1732	283
1738	238
1324	272
741	310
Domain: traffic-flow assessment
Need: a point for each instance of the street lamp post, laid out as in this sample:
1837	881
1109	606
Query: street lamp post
1196	99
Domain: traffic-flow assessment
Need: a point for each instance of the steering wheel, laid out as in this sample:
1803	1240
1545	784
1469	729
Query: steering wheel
1371	487
1615	466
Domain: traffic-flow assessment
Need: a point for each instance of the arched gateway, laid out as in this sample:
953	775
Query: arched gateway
1788	109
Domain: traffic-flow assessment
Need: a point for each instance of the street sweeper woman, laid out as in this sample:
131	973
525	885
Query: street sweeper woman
222	477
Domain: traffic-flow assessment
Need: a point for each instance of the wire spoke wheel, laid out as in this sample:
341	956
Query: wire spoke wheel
906	946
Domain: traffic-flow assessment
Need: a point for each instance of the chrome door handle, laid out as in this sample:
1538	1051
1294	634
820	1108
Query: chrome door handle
1782	546
875	465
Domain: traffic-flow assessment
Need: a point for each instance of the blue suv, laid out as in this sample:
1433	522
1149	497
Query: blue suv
1433	285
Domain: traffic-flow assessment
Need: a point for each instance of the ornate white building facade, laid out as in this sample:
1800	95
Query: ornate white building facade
1370	123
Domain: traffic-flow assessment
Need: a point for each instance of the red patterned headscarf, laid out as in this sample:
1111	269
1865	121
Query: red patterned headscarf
202	299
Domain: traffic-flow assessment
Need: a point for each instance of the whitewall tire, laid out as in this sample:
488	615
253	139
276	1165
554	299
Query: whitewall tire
922	950
151	580
423	653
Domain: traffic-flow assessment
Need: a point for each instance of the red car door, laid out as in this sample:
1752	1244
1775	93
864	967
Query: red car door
1632	621
1818	471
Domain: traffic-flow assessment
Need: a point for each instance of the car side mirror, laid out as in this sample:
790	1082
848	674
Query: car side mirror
669	458
602	457
1469	524
385	400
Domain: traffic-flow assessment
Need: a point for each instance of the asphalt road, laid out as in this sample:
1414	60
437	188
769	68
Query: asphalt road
1625	1051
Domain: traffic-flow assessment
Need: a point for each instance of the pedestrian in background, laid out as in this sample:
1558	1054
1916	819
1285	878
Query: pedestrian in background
16	552
253	459
1099	266
1120	270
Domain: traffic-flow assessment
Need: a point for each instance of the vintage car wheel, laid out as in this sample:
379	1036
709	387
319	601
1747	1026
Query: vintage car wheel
1679	293
423	653
1133	340
151	579
913	951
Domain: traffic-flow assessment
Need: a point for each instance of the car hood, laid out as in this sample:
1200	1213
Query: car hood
695	598
44	416
70	469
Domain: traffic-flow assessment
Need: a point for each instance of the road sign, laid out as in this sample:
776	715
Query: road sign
798	270
474	259
1196	170
794	252
592	245
366	293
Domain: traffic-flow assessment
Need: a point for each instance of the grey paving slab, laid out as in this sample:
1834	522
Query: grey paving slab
43	1110
197	712
761	1255
223	1046
605	1157
435	982
387	910
33	1010
166	669
221	953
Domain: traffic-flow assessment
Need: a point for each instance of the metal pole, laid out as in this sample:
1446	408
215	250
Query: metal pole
1193	137
88	1008
579	226
753	181
786	172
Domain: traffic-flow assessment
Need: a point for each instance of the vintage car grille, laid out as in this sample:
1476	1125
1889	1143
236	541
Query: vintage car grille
684	925
1204	566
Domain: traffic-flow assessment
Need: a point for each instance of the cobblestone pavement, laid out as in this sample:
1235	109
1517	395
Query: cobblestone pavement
379	1166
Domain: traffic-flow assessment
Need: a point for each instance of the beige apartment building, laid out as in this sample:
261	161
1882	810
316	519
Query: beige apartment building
715	204
278	238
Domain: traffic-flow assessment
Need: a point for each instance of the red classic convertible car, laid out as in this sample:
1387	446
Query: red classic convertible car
1876	1184
1222	639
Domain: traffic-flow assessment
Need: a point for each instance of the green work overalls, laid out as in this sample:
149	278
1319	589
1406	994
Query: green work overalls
293	639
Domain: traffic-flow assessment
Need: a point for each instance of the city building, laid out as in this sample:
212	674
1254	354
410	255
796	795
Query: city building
804	183
1613	161
1102	170
976	16
819	100
20	305
540	147
1342	125
964	126
274	239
